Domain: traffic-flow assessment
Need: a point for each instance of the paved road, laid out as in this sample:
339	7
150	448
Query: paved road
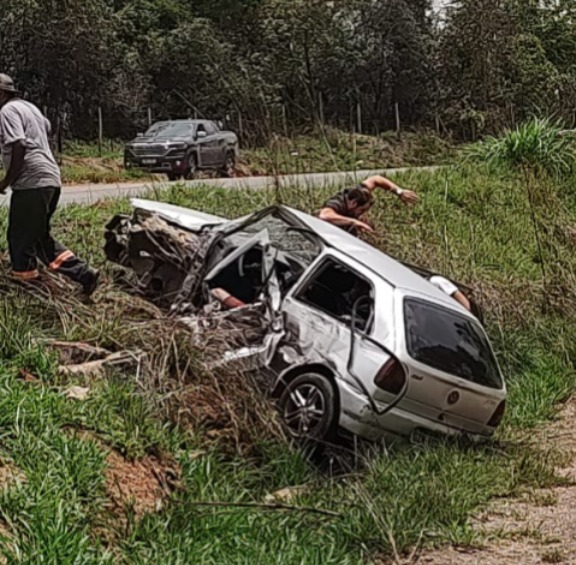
89	193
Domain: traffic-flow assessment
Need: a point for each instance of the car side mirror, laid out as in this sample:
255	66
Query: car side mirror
201	134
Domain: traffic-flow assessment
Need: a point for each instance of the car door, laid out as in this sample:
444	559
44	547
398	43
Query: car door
217	145
318	318
262	239
202	142
209	149
255	355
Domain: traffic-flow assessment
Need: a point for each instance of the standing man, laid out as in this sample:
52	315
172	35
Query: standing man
34	176
346	208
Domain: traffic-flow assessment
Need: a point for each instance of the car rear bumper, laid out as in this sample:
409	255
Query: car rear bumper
357	417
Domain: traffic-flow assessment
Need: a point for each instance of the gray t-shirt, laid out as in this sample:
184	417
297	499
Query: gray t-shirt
22	121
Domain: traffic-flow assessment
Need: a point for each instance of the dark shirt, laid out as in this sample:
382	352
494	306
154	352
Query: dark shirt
338	204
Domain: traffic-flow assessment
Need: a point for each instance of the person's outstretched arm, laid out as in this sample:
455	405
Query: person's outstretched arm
377	181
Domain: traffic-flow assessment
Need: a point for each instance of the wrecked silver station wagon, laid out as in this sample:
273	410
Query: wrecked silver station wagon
351	339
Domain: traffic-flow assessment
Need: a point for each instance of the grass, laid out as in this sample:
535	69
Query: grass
471	225
332	151
540	145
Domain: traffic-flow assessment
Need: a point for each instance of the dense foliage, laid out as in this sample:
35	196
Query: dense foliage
275	65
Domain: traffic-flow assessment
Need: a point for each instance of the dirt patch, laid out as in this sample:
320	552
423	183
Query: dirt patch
142	485
538	528
9	475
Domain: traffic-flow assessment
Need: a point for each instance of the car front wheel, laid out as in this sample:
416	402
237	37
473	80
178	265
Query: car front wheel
192	168
308	407
229	167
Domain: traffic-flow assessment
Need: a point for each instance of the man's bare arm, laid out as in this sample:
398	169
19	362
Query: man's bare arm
330	215
16	166
459	297
377	181
228	301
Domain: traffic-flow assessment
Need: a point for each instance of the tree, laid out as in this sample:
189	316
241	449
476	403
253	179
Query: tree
60	53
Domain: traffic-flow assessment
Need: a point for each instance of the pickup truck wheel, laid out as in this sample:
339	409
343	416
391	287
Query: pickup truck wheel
192	168
229	165
308	407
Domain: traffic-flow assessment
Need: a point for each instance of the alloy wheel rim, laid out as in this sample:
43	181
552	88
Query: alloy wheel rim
305	409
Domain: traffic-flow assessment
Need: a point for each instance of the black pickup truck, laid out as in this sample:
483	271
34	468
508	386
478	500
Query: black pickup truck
180	148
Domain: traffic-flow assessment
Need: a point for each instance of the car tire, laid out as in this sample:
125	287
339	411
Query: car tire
192	168
229	168
308	407
173	176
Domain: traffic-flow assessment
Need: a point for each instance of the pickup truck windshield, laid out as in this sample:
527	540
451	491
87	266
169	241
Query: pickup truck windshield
170	130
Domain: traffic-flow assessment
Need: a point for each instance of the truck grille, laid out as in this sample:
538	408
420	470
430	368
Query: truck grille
149	151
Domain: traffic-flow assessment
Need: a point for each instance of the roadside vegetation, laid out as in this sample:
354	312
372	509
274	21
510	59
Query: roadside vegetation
176	465
274	67
326	150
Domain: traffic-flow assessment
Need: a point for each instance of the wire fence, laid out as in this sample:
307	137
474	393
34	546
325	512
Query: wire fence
106	130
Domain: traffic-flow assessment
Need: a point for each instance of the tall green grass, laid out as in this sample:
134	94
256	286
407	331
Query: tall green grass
541	145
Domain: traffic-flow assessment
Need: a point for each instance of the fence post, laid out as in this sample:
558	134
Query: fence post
240	127
100	130
285	120
397	114
359	116
149	117
437	122
512	116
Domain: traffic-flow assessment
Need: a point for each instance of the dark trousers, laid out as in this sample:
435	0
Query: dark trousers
29	236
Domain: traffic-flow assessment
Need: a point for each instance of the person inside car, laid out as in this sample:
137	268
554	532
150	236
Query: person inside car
347	208
227	300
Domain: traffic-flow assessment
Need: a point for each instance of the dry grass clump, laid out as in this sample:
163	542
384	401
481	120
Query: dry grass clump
173	364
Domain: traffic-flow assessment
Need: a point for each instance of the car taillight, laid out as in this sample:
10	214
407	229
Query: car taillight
391	377
498	415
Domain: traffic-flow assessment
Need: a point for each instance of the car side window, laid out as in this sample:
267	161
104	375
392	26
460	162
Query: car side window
210	129
341	293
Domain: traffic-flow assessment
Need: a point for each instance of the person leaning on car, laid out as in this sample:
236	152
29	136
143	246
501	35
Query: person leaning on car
347	208
451	289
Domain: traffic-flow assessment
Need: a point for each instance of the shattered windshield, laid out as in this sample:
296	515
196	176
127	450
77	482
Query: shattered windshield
287	239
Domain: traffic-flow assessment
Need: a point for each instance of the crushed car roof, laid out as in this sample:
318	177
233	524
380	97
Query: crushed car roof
377	261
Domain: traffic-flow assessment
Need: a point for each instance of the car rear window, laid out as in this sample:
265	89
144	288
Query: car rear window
445	340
